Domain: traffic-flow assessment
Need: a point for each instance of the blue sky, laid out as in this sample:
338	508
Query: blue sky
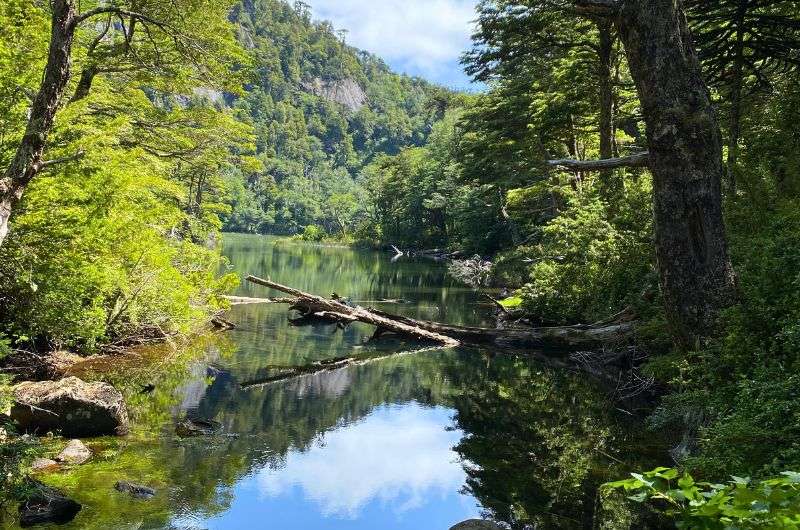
417	37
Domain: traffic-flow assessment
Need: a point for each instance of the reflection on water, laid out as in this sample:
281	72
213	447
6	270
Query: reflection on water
393	469
420	441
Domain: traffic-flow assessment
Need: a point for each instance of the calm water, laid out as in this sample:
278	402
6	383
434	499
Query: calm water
419	441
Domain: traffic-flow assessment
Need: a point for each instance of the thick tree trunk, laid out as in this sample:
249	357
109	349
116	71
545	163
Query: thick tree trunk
686	162
27	161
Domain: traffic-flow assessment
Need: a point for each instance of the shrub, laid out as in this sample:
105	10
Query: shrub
589	263
313	233
739	504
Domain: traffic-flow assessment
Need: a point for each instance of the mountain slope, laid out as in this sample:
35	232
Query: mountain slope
321	111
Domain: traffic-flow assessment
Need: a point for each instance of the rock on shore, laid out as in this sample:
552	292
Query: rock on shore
70	406
47	505
75	453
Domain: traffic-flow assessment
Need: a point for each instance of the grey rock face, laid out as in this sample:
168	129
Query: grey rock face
345	92
43	464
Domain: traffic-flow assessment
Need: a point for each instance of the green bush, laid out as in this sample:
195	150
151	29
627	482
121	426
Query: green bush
739	504
313	233
590	263
98	253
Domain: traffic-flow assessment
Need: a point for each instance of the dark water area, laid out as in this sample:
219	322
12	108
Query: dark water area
417	441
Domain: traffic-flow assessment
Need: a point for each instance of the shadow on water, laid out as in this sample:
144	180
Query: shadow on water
419	441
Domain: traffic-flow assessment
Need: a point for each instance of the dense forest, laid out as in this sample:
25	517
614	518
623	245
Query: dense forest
635	158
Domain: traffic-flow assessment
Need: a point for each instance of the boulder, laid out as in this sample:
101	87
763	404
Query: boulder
44	464
476	524
47	505
70	406
75	453
135	490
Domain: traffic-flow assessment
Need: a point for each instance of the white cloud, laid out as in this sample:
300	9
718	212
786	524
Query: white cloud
418	37
400	457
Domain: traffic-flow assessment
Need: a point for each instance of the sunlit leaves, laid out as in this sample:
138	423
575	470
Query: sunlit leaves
741	503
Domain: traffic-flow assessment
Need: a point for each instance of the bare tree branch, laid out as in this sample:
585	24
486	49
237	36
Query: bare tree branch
62	160
121	13
637	160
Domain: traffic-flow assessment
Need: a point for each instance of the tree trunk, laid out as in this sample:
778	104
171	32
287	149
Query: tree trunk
686	162
610	182
85	83
606	88
734	128
27	161
557	340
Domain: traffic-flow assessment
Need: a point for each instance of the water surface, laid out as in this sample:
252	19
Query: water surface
419	441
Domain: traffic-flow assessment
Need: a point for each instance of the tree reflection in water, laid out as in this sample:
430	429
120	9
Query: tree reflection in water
383	445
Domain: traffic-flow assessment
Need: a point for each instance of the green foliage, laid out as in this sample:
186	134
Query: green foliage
418	198
740	503
15	457
313	233
118	242
588	264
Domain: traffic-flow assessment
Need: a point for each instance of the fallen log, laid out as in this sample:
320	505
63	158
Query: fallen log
246	300
312	304
562	339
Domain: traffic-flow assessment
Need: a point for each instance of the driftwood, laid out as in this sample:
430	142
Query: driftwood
246	300
333	309
560	339
637	160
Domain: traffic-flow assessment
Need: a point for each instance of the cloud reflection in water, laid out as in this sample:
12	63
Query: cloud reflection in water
398	456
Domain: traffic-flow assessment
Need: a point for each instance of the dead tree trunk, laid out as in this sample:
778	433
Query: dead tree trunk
555	339
334	309
27	161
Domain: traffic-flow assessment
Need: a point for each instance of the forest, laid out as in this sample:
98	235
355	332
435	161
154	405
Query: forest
626	161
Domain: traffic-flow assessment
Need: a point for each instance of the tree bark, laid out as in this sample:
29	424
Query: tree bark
27	161
683	136
85	83
336	309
